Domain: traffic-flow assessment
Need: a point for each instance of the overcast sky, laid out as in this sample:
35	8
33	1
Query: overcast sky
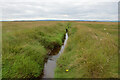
59	9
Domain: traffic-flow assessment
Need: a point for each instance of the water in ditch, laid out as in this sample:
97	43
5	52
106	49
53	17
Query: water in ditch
50	65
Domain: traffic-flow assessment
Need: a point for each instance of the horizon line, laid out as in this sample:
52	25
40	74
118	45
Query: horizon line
63	20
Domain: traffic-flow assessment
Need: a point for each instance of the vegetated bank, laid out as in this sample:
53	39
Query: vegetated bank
26	44
91	51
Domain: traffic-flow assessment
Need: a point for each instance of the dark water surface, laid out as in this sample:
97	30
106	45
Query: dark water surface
50	65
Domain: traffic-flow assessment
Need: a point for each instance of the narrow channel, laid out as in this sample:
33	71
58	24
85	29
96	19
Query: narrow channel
50	65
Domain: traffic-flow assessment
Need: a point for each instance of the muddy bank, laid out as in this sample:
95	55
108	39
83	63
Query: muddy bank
51	52
50	62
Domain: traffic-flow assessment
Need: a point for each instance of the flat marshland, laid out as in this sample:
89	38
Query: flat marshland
25	46
91	50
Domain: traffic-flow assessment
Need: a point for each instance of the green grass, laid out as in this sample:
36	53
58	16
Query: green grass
25	47
91	51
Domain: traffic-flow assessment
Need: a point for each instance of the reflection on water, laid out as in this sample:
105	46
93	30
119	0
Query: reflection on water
50	65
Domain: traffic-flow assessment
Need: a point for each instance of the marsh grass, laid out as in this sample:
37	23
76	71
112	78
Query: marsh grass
25	47
90	52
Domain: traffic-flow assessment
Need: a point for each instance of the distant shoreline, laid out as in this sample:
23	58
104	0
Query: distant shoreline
61	20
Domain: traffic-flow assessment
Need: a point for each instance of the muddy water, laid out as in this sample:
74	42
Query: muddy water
50	65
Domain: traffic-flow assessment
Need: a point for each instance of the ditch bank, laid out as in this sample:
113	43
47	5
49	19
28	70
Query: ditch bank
51	58
50	61
53	55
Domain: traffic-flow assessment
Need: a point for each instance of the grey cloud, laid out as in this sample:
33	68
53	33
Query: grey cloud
59	10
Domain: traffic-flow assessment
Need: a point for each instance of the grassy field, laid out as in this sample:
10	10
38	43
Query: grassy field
91	50
25	46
